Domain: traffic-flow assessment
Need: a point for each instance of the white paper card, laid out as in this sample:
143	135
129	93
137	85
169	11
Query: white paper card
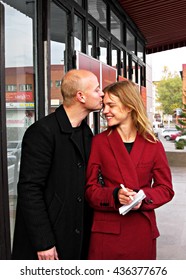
137	198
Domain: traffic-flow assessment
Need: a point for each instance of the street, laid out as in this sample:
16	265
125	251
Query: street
171	217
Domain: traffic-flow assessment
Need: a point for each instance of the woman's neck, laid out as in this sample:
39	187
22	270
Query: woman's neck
127	133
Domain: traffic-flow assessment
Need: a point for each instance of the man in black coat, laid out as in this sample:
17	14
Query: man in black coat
52	218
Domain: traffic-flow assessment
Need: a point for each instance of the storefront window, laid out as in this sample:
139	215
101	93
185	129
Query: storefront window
90	40
98	10
114	56
58	51
130	42
134	65
127	65
20	84
140	51
139	75
79	2
78	33
115	26
103	50
123	68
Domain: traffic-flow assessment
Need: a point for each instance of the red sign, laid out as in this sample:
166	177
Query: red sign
105	76
108	75
121	78
88	63
19	96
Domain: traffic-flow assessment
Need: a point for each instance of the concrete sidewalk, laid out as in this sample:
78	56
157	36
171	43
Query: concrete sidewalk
171	217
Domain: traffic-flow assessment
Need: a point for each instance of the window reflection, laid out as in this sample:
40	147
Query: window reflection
123	64
78	33
139	75
130	41
127	65
114	56
58	49
79	2
20	85
133	71
97	9
115	26
103	50
140	51
90	40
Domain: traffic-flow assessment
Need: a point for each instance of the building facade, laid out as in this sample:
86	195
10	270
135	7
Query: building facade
41	40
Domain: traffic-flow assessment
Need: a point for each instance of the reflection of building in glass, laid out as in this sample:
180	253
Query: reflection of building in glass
57	72
20	94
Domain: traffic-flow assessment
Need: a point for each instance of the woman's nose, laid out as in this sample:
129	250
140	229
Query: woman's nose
105	109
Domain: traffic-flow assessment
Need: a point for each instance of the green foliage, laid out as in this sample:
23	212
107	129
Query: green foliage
169	92
182	121
179	145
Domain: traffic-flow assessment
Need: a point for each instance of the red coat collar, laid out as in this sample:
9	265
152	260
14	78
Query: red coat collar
126	162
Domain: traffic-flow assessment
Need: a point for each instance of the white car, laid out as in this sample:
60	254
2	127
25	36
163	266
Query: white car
167	132
14	148
181	137
12	174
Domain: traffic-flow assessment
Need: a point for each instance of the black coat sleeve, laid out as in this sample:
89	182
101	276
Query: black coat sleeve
36	160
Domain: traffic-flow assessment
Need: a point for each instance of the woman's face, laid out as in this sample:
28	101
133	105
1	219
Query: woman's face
115	112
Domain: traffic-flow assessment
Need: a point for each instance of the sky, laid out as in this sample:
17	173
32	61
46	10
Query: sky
173	59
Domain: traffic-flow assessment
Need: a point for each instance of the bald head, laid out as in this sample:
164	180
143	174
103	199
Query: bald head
73	81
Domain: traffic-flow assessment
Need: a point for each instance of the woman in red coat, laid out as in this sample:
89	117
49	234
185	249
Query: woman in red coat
126	153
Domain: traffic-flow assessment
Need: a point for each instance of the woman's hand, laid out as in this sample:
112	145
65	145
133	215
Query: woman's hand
125	196
137	206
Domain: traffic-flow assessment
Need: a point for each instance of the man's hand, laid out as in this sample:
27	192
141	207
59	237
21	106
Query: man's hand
50	254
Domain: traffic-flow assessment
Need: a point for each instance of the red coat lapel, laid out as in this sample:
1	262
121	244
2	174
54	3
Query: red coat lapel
126	162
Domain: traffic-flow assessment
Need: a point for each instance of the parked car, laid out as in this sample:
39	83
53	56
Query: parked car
181	138
12	174
174	135
167	132
14	148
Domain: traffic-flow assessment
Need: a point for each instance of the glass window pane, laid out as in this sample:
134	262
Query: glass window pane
114	57
122	64
20	85
80	2
115	26
103	50
140	51
127	65
130	42
133	71
58	49
139	75
98	9
78	33
90	40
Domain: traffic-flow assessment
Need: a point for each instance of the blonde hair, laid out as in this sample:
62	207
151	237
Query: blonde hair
129	95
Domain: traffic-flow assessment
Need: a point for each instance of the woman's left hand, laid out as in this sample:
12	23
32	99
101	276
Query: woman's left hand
137	206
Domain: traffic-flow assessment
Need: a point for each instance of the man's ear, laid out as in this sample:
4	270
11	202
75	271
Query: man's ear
80	96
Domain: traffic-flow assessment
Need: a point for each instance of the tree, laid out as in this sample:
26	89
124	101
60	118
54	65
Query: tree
169	92
182	121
